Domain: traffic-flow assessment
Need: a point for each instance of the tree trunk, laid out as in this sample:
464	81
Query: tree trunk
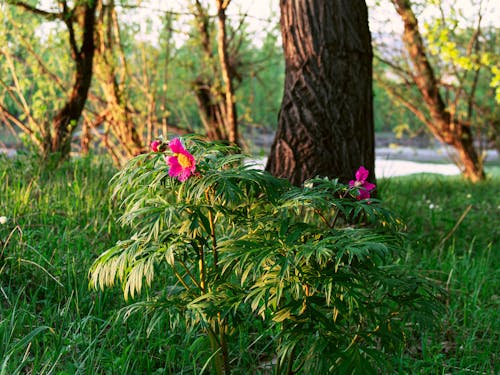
326	118
215	99
211	110
118	113
66	119
443	126
231	122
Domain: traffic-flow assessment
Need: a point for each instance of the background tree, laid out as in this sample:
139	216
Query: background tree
115	110
79	20
214	85
231	118
326	117
442	75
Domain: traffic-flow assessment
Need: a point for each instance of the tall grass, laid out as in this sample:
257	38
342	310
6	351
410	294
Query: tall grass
59	221
453	238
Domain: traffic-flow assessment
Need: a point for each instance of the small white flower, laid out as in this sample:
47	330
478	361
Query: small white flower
469	196
3	219
431	206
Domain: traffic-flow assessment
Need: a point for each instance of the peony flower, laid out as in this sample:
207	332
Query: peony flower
155	145
363	186
182	163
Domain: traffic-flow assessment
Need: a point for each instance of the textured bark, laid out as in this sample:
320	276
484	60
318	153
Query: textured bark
66	119
326	118
443	126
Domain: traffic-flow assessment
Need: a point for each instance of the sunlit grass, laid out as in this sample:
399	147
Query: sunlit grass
58	222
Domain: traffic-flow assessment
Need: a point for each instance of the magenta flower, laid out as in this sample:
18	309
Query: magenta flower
364	187
155	145
182	163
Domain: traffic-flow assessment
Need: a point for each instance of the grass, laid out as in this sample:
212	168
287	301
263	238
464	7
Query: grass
453	238
58	222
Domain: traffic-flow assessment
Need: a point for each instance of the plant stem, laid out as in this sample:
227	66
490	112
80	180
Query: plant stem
212	231
181	280
223	343
215	344
201	265
323	219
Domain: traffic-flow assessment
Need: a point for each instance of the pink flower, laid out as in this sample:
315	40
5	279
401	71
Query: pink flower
363	186
155	145
182	163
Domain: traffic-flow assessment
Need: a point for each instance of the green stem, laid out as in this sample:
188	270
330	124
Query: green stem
212	231
215	345
181	280
223	344
289	368
201	266
334	221
323	219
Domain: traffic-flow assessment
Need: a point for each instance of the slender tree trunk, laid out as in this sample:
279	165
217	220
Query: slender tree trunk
66	119
118	111
326	118
211	111
231	122
217	107
443	126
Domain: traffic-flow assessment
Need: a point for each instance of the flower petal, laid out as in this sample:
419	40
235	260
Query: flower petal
155	145
176	146
362	174
363	194
175	167
368	186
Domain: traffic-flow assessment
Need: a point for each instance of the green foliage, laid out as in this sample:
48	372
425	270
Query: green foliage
232	244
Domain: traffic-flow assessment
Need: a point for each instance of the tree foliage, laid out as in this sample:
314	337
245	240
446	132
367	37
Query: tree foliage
52	134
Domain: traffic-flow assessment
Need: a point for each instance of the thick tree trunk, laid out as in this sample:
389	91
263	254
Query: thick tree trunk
326	117
454	133
66	119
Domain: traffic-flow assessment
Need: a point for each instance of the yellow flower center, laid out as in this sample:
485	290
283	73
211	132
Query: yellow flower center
183	160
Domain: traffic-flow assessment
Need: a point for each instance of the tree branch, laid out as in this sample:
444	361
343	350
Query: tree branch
47	15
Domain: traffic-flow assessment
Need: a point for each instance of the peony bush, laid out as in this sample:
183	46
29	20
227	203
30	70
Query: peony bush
311	274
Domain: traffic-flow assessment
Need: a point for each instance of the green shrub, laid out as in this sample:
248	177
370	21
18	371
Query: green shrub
223	248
